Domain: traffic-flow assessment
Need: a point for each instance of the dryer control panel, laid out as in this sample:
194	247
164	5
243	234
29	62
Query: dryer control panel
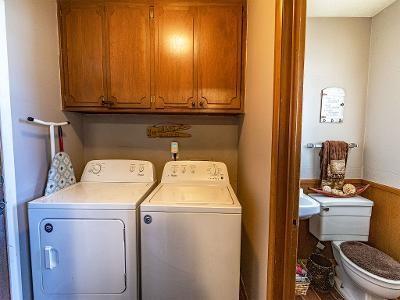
118	170
195	171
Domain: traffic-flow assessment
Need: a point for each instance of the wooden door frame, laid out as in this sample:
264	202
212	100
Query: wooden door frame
288	90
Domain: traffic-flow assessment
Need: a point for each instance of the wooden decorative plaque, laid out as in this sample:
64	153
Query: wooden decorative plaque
168	131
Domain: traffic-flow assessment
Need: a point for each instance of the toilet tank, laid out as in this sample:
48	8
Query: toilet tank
341	219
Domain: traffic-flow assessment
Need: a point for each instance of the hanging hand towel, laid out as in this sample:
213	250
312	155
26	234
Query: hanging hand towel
333	157
61	173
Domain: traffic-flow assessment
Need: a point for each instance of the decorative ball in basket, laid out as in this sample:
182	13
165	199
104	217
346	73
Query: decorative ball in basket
348	191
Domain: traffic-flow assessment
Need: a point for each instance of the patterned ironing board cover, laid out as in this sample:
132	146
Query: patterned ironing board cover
61	173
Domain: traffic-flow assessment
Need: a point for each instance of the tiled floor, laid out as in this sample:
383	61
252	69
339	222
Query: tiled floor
314	295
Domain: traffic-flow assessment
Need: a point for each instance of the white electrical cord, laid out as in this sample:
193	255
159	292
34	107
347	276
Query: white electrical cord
51	126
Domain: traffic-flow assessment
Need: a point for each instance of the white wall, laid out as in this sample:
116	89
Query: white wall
255	146
7	161
382	143
35	91
337	54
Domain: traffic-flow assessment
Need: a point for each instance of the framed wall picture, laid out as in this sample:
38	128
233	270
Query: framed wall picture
332	105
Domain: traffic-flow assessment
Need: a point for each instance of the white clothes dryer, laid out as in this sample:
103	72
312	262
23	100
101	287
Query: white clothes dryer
85	238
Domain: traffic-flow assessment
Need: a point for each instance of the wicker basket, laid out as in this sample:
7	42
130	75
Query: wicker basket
321	272
302	287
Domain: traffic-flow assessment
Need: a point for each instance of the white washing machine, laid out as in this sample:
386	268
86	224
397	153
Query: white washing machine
190	235
85	238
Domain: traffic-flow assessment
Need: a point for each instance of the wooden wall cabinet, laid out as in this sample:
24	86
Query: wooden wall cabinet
128	56
105	56
175	58
83	52
164	58
220	56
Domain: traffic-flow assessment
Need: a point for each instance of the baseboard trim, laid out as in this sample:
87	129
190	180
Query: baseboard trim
242	293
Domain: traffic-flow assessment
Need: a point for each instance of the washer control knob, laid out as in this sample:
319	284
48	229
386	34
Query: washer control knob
96	168
213	170
141	168
147	219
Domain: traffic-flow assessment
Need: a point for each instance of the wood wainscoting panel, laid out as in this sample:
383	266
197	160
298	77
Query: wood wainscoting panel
385	221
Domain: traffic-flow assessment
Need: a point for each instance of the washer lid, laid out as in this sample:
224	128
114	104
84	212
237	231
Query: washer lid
192	198
353	201
96	195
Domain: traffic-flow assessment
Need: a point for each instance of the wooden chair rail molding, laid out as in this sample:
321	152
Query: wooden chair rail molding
382	187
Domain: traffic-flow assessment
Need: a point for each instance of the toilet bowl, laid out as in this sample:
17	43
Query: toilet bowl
348	219
355	283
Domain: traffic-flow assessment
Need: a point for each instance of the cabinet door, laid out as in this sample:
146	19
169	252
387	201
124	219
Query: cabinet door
83	69
220	48
175	63
128	80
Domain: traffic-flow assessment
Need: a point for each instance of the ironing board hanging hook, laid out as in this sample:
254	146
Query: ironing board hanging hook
51	126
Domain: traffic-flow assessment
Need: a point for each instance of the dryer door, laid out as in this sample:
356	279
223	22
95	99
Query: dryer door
82	256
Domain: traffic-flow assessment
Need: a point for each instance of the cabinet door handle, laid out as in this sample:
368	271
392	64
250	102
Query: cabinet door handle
193	104
106	102
201	103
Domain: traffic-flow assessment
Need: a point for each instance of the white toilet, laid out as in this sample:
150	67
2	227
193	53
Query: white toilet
348	219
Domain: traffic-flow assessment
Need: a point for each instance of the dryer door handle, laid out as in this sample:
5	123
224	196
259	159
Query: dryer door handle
50	257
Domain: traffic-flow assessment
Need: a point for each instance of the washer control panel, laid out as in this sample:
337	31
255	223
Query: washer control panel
118	170
195	171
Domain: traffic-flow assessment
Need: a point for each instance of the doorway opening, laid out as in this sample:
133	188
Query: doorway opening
347	49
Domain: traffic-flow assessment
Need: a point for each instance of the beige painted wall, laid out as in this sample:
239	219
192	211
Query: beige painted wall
124	136
35	91
382	143
337	54
255	146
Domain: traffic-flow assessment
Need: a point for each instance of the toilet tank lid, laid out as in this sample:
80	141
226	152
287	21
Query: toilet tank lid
353	201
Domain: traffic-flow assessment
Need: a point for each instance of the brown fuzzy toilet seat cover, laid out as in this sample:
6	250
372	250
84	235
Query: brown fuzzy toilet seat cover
371	260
